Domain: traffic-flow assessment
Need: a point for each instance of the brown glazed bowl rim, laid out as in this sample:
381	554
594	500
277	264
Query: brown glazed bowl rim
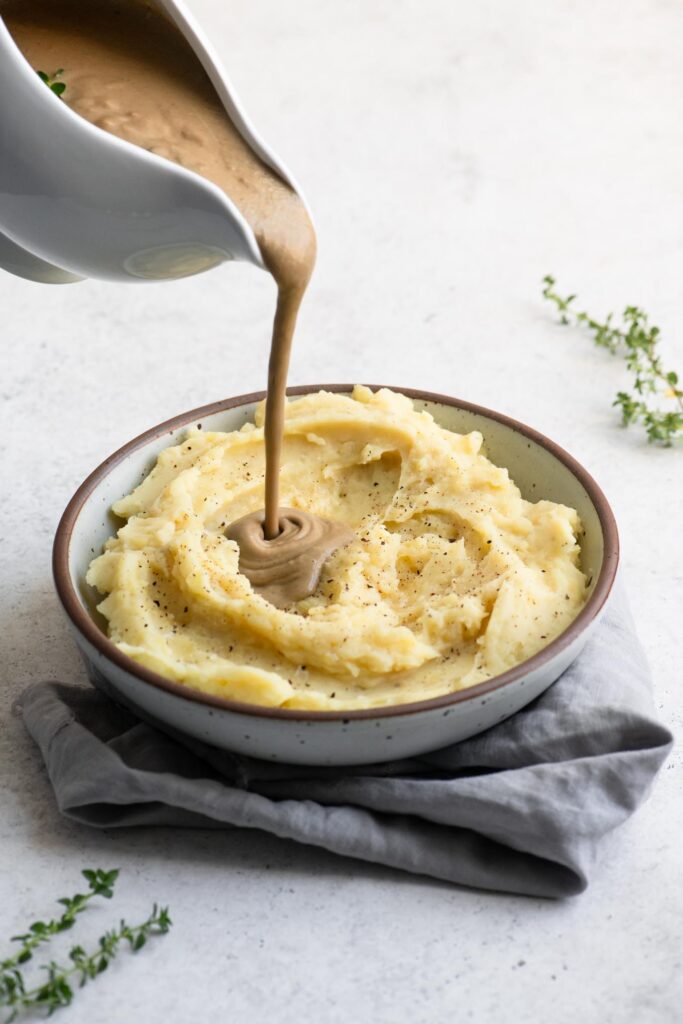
89	630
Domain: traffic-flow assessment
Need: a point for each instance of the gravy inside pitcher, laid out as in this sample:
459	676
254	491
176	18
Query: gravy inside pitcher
129	71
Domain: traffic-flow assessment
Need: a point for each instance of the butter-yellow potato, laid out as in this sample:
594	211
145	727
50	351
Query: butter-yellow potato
452	578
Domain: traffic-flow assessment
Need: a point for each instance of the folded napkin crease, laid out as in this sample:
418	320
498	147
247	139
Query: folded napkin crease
521	808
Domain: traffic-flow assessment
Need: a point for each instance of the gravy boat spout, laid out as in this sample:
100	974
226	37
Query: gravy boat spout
78	202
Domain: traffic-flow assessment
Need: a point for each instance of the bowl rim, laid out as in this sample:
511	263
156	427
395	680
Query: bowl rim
84	624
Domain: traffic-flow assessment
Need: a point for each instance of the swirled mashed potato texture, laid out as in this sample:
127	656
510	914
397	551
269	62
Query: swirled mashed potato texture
452	578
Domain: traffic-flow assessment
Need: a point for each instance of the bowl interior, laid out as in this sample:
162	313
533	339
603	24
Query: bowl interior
537	471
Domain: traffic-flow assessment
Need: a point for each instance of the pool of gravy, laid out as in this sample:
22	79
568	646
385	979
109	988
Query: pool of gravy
129	71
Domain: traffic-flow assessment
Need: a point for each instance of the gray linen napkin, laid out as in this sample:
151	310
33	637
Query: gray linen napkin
520	808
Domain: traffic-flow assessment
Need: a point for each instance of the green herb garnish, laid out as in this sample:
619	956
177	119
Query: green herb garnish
100	883
52	81
636	340
82	966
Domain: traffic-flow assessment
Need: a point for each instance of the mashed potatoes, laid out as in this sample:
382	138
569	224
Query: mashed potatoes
453	576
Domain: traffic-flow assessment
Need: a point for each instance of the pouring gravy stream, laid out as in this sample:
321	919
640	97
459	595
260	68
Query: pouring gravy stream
130	72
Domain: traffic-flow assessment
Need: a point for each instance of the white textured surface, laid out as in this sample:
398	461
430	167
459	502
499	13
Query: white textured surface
453	153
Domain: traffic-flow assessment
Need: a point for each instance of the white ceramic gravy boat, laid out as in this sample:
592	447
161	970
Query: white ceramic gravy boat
78	202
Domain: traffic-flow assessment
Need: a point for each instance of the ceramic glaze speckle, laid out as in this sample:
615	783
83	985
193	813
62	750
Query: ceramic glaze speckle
343	737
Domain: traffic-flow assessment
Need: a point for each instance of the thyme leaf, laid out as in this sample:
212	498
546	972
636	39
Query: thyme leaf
52	81
100	883
655	400
58	989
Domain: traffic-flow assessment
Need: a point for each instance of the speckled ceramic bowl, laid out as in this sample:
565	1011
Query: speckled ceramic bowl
538	466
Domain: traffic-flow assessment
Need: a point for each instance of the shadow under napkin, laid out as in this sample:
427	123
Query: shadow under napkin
520	808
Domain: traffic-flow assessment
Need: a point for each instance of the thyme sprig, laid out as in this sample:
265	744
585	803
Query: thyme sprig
100	883
655	400
58	989
52	81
